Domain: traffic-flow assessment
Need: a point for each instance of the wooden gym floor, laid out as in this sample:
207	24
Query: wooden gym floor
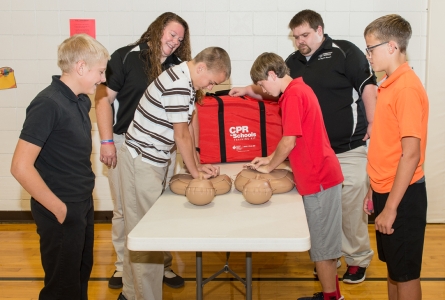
275	275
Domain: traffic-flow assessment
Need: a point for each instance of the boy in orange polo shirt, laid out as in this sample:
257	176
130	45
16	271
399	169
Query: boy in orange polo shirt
395	158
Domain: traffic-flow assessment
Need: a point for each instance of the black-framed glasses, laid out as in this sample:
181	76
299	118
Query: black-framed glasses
369	49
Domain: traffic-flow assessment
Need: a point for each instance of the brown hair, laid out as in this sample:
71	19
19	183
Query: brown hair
391	27
312	18
268	62
216	59
80	47
153	35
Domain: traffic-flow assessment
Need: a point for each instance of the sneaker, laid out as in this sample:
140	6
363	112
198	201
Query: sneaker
173	280
354	274
318	296
121	297
338	266
115	281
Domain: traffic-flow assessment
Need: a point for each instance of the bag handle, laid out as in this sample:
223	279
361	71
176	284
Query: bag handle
221	93
222	139
263	128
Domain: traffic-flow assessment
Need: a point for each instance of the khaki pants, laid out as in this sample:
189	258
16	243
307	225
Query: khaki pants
141	186
355	238
117	223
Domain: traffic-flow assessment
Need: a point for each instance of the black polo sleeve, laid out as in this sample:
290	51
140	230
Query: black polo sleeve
115	73
357	68
42	117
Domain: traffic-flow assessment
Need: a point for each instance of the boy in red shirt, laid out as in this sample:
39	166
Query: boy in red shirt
316	169
395	158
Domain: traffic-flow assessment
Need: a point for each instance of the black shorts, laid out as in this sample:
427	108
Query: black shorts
402	250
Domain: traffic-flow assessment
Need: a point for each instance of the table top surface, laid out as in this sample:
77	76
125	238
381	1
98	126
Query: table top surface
228	223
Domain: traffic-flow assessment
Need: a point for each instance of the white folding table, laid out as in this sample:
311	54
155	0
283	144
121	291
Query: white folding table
228	224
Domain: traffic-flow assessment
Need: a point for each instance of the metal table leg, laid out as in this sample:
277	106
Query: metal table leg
248	275
226	269
199	284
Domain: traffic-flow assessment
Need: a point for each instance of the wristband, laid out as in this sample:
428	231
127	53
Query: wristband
107	142
198	150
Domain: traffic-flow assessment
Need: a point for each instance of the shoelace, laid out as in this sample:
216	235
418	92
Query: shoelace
352	269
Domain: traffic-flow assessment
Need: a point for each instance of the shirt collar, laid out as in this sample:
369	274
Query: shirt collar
388	80
185	69
295	81
325	45
171	60
65	90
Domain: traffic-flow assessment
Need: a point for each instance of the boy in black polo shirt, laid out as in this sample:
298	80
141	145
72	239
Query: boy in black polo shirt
52	163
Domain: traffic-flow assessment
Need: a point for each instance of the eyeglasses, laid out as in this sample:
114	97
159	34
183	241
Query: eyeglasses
369	49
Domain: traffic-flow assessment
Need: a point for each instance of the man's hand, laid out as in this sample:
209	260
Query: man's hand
368	132
238	91
385	220
108	155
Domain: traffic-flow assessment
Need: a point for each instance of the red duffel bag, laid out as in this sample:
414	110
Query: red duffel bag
237	128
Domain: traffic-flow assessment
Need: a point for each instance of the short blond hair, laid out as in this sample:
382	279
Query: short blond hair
80	47
216	59
266	62
390	27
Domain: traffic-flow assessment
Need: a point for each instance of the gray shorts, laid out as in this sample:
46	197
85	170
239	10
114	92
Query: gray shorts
323	213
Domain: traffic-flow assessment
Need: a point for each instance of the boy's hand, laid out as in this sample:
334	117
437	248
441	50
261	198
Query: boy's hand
238	91
260	164
385	220
202	175
60	212
209	169
257	162
368	205
263	169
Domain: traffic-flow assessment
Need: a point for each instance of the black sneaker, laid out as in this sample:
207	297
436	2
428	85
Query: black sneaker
173	280
121	297
338	266
354	274
115	281
316	296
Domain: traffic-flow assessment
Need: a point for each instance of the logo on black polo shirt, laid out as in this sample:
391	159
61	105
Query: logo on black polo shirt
325	55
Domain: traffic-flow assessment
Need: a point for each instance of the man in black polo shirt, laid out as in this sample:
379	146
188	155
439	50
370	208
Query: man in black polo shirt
345	85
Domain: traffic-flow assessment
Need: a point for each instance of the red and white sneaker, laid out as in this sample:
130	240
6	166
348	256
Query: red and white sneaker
354	274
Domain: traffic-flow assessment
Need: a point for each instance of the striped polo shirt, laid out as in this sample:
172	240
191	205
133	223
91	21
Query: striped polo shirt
169	99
